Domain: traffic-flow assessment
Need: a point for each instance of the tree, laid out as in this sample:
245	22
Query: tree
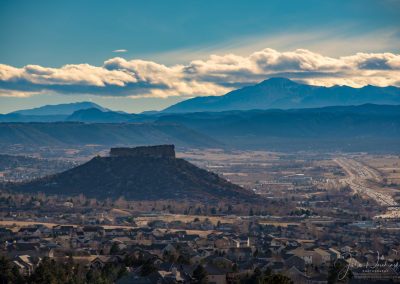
148	268
200	274
213	211
278	279
114	249
266	278
9	273
52	272
255	253
257	276
251	212
235	267
183	260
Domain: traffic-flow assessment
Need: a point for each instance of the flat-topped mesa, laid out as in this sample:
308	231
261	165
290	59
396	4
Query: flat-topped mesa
159	151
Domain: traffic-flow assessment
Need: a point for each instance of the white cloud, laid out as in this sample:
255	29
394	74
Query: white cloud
16	94
120	50
215	75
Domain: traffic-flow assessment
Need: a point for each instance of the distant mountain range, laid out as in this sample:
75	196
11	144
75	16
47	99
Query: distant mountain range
283	93
60	109
254	117
367	127
274	93
138	177
97	115
107	134
51	113
348	128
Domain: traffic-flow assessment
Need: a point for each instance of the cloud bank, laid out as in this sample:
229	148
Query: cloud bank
214	76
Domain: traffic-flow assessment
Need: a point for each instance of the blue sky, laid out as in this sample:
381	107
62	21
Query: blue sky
52	34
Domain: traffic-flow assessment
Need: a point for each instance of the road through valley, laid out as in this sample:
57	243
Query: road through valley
358	177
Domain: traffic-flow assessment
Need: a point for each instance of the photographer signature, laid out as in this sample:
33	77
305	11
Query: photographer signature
378	266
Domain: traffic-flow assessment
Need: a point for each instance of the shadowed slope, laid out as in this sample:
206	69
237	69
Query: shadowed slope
138	178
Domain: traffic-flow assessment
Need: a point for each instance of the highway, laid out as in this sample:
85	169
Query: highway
357	178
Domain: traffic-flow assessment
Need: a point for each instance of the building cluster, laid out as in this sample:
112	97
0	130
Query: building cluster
162	253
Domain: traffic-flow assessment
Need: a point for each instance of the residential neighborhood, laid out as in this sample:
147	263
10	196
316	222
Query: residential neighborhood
161	252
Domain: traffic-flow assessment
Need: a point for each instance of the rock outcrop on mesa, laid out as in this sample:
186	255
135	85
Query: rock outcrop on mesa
142	173
159	151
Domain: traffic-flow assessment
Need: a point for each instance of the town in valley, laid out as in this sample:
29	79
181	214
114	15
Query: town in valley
200	142
320	213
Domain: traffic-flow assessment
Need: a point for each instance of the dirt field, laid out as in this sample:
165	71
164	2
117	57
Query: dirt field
16	225
388	166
